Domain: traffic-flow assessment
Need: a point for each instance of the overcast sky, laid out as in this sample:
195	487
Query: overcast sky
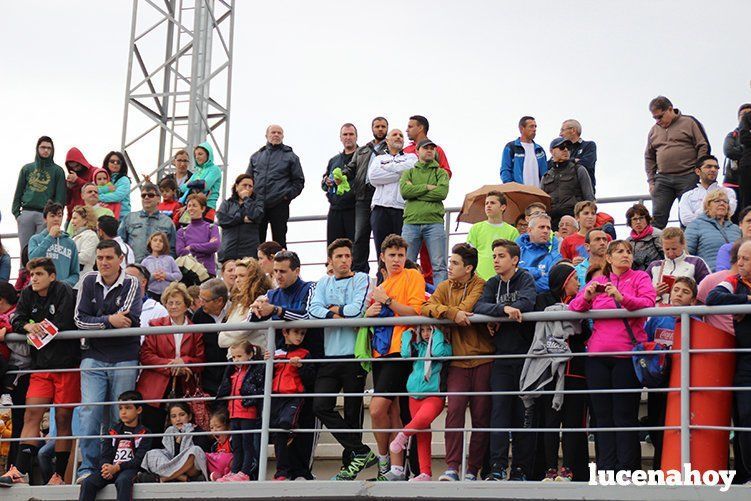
472	67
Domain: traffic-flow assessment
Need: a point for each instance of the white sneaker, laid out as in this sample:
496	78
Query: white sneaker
83	477
6	400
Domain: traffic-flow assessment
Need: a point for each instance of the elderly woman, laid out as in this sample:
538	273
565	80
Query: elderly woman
712	229
200	238
175	349
619	287
83	223
644	237
250	283
723	255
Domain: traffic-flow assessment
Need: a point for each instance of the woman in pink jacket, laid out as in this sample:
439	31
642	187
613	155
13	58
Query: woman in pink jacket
618	287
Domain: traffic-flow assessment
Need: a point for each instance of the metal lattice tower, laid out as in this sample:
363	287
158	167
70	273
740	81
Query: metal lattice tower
179	82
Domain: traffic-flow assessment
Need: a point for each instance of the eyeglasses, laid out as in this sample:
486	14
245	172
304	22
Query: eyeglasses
208	300
115	161
719	201
658	117
178	302
638	218
148	195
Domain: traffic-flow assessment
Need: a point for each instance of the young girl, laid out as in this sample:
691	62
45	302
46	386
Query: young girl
661	330
243	380
424	341
102	180
161	265
219	458
181	459
200	238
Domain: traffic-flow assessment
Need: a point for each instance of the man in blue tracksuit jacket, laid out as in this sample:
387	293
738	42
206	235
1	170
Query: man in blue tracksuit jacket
290	301
539	252
521	150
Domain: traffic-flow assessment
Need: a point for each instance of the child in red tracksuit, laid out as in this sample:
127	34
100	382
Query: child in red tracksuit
290	379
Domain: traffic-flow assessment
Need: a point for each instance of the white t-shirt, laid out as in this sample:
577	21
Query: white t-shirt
531	170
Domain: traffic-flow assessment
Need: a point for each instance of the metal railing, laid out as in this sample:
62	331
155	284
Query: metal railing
684	313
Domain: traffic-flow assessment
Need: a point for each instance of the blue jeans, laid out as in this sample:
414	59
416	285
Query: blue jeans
100	386
434	236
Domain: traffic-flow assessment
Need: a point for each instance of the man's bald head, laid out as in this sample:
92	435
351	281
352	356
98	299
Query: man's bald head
395	140
744	260
274	134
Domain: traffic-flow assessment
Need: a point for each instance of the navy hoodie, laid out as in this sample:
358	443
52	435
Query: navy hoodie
519	292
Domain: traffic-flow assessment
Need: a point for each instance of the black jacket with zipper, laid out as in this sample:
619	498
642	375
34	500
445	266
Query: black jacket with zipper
57	307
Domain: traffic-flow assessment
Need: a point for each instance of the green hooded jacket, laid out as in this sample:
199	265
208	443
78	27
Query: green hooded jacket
424	206
38	183
211	175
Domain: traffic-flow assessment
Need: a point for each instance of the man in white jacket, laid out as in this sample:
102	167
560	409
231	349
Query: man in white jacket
384	172
692	202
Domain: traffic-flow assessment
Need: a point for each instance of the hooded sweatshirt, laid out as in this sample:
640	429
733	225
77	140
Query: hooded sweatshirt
211	176
121	194
518	292
423	206
85	175
63	252
450	298
538	259
115	207
38	183
426	374
610	334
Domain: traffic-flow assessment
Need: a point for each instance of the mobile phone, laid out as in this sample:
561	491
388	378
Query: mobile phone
600	288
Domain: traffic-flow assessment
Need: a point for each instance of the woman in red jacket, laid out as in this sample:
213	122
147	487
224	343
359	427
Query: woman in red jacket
178	348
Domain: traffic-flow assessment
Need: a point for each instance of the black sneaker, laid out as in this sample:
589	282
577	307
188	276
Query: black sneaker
144	477
517	475
359	463
497	474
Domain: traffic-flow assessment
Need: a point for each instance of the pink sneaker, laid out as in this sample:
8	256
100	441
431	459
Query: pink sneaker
239	477
422	477
226	478
399	443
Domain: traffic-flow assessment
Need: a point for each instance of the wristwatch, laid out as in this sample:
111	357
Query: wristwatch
388	302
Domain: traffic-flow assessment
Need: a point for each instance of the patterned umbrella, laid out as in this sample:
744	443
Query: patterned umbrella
518	198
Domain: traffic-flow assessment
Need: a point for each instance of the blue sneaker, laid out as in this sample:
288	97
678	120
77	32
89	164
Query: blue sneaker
497	474
449	476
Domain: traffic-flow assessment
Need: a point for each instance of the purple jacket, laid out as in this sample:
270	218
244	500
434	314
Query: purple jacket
198	235
610	334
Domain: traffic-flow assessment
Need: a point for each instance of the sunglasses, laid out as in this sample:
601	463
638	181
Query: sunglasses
148	195
115	161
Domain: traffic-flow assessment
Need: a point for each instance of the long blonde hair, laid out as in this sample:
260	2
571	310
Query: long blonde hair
258	284
88	215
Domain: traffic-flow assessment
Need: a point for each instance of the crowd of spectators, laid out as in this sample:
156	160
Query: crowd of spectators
188	257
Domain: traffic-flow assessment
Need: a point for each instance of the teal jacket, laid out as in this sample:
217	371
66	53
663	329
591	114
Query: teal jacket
424	206
416	383
39	182
211	176
121	194
62	250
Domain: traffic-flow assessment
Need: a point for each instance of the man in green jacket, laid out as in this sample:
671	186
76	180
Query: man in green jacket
424	188
39	182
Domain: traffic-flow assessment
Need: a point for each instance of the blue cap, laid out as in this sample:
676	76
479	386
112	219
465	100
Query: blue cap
557	142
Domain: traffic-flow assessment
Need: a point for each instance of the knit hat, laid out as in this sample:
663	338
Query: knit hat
558	276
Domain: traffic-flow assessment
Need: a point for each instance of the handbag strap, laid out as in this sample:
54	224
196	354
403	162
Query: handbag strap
628	326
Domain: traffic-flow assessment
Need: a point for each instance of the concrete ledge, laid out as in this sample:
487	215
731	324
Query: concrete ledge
322	490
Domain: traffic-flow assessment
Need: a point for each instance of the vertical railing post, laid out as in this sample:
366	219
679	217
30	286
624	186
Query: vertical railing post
685	393
447	229
266	414
464	454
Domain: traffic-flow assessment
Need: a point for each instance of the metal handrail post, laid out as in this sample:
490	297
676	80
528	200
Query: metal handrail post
685	392
447	229
464	452
266	414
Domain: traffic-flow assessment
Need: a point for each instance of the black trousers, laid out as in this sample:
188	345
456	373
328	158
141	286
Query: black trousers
285	414
19	398
277	217
573	414
349	378
155	419
244	452
657	404
618	450
385	221
95	482
340	223
508	412
742	417
361	248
